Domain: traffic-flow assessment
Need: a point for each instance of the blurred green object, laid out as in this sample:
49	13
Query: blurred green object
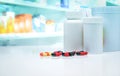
111	4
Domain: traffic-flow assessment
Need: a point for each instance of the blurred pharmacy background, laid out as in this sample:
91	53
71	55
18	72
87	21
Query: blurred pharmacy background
41	22
28	27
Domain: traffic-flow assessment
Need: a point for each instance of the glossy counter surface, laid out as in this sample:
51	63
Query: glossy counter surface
25	62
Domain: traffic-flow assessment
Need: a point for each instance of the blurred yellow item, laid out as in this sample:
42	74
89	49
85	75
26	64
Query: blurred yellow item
2	24
10	25
49	22
2	29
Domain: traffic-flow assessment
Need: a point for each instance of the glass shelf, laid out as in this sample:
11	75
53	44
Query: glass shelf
15	36
33	4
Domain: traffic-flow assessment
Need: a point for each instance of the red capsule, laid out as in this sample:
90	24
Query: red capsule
83	53
60	52
86	52
57	54
66	54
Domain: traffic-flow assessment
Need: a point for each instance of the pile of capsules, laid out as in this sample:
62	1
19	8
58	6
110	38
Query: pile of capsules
65	54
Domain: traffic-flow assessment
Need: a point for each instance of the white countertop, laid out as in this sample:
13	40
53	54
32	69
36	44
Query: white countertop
19	62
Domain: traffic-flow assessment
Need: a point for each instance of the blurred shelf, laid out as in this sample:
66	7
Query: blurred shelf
33	4
14	36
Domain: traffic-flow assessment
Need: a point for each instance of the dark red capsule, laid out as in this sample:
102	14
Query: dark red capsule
60	52
83	53
66	54
57	54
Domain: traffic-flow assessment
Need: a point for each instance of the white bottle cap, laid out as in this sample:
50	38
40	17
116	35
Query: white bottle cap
73	15
92	20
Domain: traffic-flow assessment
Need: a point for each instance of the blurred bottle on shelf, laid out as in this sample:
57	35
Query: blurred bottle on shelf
16	26
50	26
10	20
28	22
39	22
64	3
10	25
2	24
23	23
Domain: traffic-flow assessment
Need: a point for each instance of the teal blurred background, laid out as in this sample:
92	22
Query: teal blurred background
51	9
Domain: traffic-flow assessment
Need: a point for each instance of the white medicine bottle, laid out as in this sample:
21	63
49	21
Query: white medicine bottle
93	34
73	31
